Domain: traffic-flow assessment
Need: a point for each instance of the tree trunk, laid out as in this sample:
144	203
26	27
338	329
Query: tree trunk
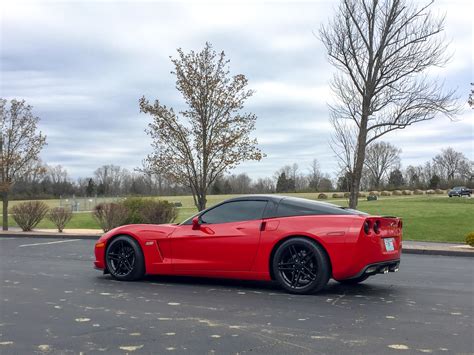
5	210
201	201
360	157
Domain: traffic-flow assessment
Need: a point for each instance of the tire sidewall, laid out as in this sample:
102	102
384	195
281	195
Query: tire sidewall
139	267
323	267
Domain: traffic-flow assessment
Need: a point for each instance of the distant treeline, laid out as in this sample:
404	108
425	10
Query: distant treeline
443	171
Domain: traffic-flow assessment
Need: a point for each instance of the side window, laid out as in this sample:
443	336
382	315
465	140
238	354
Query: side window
295	207
234	211
289	208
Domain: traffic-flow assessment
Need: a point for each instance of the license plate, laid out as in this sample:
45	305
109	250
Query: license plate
389	244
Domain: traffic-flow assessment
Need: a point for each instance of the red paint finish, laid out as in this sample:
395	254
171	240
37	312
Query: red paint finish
244	249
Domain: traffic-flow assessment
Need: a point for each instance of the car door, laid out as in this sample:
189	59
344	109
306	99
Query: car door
226	240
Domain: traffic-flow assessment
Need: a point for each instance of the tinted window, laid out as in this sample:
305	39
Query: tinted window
234	211
301	207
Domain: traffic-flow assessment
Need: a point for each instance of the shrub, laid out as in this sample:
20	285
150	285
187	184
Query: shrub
134	205
60	216
470	239
430	192
347	194
148	211
386	193
407	192
418	192
439	191
110	215
337	195
322	197
397	193
158	212
28	214
374	193
372	198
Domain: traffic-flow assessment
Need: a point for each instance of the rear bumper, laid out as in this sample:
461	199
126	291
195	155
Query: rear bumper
383	267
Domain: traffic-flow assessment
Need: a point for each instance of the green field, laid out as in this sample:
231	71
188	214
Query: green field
426	218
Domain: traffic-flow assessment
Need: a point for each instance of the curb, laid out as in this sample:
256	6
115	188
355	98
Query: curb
49	236
438	252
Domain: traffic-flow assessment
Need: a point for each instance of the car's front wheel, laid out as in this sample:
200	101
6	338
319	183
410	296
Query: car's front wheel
301	266
124	259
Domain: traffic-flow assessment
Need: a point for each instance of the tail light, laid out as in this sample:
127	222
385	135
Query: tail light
400	224
377	227
367	227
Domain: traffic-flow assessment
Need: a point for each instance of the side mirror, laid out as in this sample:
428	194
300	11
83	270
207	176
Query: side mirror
196	223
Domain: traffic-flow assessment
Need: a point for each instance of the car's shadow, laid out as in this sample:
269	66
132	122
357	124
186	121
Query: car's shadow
333	288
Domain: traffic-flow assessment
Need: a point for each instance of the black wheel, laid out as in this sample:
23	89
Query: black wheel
355	280
124	259
301	266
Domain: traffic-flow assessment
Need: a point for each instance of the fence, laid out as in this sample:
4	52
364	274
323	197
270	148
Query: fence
84	204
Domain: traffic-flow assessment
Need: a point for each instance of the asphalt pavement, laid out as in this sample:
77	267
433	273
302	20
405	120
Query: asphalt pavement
52	301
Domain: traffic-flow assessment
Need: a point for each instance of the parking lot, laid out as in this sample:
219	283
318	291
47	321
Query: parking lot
53	301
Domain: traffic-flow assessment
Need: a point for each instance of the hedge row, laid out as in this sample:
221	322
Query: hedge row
109	215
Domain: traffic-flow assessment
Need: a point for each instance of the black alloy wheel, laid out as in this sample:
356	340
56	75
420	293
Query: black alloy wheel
301	266
124	259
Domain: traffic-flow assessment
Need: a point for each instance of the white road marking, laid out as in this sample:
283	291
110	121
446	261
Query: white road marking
47	243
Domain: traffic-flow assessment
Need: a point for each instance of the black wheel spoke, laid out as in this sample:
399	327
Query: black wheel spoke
297	266
293	252
296	278
308	257
122	258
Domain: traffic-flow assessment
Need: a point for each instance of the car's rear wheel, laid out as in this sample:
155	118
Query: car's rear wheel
355	280
301	266
124	259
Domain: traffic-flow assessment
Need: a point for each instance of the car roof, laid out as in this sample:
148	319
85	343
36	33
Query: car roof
278	198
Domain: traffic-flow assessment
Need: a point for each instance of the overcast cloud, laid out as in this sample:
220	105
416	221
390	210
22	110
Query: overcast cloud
84	65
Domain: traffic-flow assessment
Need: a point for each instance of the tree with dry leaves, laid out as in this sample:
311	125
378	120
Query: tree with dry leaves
451	163
211	136
20	145
382	50
380	159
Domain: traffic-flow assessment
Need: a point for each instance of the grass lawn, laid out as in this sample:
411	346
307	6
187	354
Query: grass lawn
426	218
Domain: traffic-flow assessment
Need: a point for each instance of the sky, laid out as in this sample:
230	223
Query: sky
83	65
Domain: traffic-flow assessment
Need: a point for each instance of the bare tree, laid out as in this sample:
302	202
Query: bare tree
314	175
264	185
450	163
215	136
470	101
380	158
109	179
57	174
20	145
382	50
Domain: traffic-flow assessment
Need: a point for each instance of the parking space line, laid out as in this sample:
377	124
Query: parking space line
56	242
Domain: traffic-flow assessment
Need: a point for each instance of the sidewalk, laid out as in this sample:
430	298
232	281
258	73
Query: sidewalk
432	248
409	247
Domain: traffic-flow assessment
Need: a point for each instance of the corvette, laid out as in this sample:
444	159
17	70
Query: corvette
297	242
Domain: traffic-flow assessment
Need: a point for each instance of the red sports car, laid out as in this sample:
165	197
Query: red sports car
299	243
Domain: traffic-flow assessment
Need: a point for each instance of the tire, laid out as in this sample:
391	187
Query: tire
124	259
354	281
301	266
